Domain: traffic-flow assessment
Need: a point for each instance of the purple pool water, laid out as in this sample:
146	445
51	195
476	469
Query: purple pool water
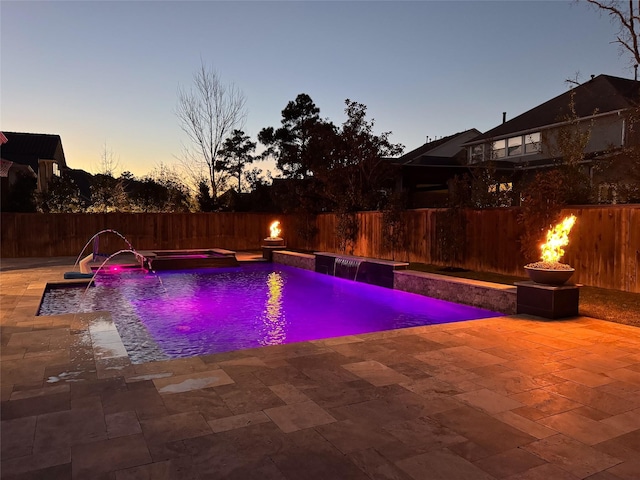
198	312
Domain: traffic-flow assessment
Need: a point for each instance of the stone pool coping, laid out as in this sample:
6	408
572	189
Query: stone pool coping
509	397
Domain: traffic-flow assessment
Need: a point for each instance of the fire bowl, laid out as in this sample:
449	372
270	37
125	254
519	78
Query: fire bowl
273	242
547	276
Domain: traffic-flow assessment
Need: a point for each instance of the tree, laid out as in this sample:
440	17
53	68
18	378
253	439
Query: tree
109	162
62	196
107	192
626	16
21	196
360	176
203	197
568	143
108	195
208	112
394	227
301	143
236	154
159	191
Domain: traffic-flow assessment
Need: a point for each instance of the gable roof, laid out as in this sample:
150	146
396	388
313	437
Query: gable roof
439	152
601	94
28	148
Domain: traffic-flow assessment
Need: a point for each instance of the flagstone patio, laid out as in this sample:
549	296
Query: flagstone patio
513	397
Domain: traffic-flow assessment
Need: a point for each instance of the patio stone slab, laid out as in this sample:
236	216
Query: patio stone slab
68	428
34	406
176	469
288	393
92	460
489	433
581	428
298	416
16	437
488	401
442	465
585	377
207	402
192	381
316	461
376	466
376	373
575	457
594	398
524	424
122	424
240	399
237	421
424	433
36	463
625	422
349	436
550	471
511	462
174	427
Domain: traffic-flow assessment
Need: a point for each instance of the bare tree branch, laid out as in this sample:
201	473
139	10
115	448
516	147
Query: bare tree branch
628	21
208	112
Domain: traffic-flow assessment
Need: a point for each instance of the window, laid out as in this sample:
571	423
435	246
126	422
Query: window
501	187
514	146
508	147
532	143
499	150
477	153
56	170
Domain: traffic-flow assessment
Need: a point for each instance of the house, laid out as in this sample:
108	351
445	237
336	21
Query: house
43	153
602	111
425	172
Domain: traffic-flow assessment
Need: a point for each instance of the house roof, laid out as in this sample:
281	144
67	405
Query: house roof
601	94
28	148
439	152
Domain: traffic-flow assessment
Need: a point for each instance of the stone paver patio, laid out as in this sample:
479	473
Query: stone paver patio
505	398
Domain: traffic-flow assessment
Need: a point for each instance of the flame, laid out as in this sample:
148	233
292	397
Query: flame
275	229
557	237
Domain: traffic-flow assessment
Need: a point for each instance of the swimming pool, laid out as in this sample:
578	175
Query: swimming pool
198	312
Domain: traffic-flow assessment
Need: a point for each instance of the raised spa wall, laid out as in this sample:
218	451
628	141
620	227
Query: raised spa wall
491	296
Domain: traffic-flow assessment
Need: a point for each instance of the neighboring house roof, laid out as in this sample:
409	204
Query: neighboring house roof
28	148
441	152
601	94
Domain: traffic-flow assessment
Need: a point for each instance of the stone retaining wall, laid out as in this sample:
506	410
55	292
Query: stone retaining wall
491	296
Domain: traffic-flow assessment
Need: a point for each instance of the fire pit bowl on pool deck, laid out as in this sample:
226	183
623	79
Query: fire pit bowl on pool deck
273	241
549	270
547	295
549	276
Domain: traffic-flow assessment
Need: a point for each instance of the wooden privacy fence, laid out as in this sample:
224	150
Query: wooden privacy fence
60	234
604	244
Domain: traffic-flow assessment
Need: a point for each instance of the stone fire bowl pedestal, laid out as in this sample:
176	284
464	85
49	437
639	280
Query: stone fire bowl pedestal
547	295
269	245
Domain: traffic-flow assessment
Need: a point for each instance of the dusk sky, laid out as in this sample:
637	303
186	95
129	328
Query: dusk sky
108	72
